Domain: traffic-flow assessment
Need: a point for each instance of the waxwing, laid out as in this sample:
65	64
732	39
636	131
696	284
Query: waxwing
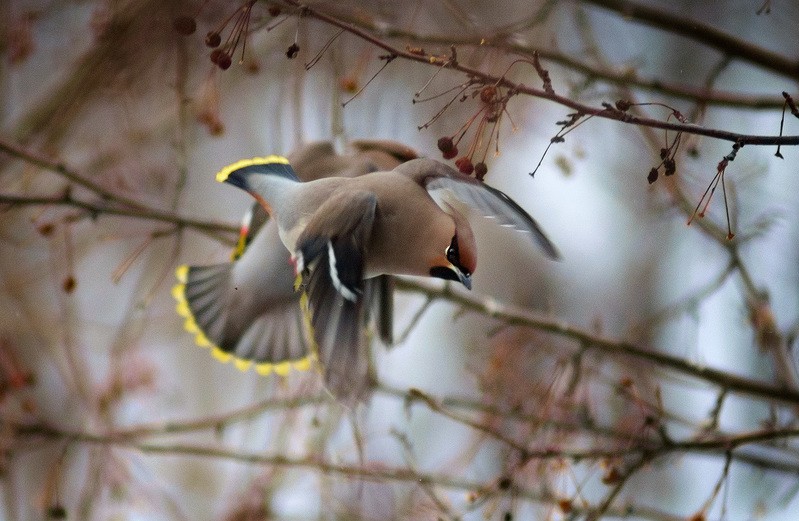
344	232
247	310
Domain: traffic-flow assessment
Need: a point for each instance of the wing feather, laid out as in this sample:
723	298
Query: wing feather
492	203
332	249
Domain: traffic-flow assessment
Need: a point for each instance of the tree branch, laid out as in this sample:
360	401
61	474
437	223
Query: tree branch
522	317
141	212
518	88
624	78
702	33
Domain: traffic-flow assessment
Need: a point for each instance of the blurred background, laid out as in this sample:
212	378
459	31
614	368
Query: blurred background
531	397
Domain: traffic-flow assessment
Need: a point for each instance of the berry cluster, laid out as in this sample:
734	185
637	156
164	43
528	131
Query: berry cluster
493	104
223	51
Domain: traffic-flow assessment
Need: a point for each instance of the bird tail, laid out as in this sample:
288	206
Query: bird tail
204	297
239	173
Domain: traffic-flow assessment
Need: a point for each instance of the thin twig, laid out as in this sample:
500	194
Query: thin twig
602	112
93	209
523	317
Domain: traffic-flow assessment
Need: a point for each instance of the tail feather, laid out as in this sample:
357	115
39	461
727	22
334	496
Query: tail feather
272	342
336	328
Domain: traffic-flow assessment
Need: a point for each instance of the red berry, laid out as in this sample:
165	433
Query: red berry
224	61
184	25
213	39
488	93
465	166
445	144
452	152
480	170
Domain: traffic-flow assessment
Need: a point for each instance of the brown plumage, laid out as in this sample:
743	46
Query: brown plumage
342	232
247	310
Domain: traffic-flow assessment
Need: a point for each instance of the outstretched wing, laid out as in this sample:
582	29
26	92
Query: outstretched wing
330	258
492	203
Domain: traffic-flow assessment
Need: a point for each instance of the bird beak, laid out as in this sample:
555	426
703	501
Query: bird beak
452	272
464	278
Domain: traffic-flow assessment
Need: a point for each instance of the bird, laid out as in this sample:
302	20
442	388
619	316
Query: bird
247	310
344	232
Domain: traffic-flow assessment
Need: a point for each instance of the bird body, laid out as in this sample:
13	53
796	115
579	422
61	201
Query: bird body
295	205
342	232
247	310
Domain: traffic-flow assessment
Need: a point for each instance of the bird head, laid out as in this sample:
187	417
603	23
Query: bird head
458	259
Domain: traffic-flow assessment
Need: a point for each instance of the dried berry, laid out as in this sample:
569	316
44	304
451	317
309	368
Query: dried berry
213	39
452	152
488	94
669	166
464	165
664	153
292	51
623	105
653	176
46	229
69	284
184	25
445	144
480	170
349	84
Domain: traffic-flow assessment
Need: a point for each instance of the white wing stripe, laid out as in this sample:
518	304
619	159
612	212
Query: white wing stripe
341	288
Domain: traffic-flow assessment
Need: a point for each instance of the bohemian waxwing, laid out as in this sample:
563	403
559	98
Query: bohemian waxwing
342	232
247	310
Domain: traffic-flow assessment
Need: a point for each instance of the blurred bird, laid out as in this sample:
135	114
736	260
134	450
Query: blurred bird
247	310
343	232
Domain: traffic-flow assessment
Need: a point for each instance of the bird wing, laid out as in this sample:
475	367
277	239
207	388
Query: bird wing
330	257
379	309
492	203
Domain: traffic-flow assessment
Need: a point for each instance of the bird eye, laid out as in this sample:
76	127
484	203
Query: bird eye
452	253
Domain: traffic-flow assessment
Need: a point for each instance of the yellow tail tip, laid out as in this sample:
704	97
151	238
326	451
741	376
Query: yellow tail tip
182	273
223	174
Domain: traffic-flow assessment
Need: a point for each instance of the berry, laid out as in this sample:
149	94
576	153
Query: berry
480	170
348	84
488	94
69	284
224	61
292	51
465	166
653	176
213	39
445	144
623	105
452	152
670	166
